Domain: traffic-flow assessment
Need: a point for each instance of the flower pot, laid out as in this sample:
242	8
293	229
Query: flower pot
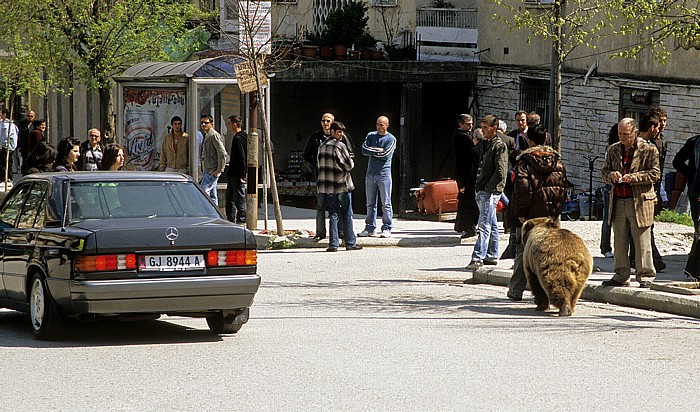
325	52
377	55
354	54
366	54
340	51
309	51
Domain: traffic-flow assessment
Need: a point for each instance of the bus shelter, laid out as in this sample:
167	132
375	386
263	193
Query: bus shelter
149	95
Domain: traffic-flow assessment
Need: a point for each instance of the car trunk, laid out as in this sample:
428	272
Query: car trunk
112	236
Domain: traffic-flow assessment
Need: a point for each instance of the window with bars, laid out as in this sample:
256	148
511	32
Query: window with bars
321	10
534	97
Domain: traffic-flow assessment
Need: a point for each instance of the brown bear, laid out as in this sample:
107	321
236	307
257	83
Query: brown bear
557	264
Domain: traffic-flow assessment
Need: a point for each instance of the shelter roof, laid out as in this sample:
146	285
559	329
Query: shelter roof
217	67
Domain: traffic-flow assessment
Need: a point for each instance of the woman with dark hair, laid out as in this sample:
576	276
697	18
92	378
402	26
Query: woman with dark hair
36	136
113	157
68	153
40	159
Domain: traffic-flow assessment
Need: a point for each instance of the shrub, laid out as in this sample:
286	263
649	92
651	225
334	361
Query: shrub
673	217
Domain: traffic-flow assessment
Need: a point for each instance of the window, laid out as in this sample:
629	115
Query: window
9	213
33	210
534	97
106	200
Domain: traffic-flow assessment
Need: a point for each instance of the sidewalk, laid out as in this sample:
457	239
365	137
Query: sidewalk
664	296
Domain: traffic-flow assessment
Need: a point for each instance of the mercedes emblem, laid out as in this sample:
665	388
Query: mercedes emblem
171	234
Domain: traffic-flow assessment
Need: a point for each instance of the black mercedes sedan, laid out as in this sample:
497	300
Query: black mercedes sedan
86	245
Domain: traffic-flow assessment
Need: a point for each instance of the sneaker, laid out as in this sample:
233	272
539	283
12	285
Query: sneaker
609	254
332	249
365	233
490	262
318	238
474	265
514	298
386	233
356	247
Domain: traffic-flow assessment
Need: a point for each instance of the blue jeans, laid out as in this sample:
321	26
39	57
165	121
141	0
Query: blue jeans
378	185
486	246
340	210
321	214
208	183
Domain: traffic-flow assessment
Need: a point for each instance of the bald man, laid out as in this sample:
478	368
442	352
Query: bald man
379	147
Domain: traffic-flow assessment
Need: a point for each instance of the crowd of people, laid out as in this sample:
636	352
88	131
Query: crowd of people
329	155
522	170
24	149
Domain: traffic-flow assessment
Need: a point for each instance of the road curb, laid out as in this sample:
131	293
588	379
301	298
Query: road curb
264	241
656	300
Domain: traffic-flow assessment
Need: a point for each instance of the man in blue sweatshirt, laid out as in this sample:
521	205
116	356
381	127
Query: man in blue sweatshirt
379	147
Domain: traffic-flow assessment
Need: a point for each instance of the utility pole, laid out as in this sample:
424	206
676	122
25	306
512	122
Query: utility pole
251	196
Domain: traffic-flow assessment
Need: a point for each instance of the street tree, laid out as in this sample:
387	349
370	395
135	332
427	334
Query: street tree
254	41
659	26
93	40
568	24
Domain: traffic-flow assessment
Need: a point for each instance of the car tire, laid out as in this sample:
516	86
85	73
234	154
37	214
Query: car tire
46	323
231	322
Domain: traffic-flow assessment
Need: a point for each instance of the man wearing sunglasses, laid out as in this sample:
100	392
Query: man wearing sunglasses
213	157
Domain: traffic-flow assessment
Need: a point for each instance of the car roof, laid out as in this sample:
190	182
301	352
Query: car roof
107	176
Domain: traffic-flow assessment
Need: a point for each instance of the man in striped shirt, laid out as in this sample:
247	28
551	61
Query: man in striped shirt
335	183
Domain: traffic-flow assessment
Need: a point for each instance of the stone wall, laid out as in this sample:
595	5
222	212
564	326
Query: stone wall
588	112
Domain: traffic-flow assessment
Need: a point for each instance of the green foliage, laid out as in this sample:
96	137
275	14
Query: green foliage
653	22
673	217
347	23
94	39
442	4
567	23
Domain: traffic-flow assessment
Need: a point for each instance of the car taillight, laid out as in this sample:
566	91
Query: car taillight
98	263
232	258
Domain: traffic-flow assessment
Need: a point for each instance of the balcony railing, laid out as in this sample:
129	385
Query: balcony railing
454	18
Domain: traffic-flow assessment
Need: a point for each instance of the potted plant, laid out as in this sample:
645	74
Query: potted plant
345	24
309	47
365	43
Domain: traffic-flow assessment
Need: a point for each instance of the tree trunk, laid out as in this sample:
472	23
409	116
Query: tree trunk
271	165
107	113
554	123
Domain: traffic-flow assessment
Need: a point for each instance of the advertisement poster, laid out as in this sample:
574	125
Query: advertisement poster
147	114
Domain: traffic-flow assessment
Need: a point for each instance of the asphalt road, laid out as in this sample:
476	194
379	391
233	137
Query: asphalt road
367	330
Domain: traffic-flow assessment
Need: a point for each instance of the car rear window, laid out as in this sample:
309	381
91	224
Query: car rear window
114	200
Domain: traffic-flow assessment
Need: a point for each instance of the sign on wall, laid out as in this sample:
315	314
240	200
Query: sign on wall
147	114
255	27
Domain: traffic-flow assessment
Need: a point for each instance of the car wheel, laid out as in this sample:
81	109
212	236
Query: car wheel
46	324
227	322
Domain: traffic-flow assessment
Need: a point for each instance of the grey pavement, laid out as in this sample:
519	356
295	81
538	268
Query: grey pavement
671	292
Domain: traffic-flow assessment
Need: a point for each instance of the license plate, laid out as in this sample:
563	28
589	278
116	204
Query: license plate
164	263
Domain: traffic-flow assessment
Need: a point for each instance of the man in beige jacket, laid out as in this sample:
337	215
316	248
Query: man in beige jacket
632	168
175	150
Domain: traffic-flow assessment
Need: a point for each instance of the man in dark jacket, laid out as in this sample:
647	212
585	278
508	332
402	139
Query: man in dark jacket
237	172
687	162
310	159
539	191
489	185
466	166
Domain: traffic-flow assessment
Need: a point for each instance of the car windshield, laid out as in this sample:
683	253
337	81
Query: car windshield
115	200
